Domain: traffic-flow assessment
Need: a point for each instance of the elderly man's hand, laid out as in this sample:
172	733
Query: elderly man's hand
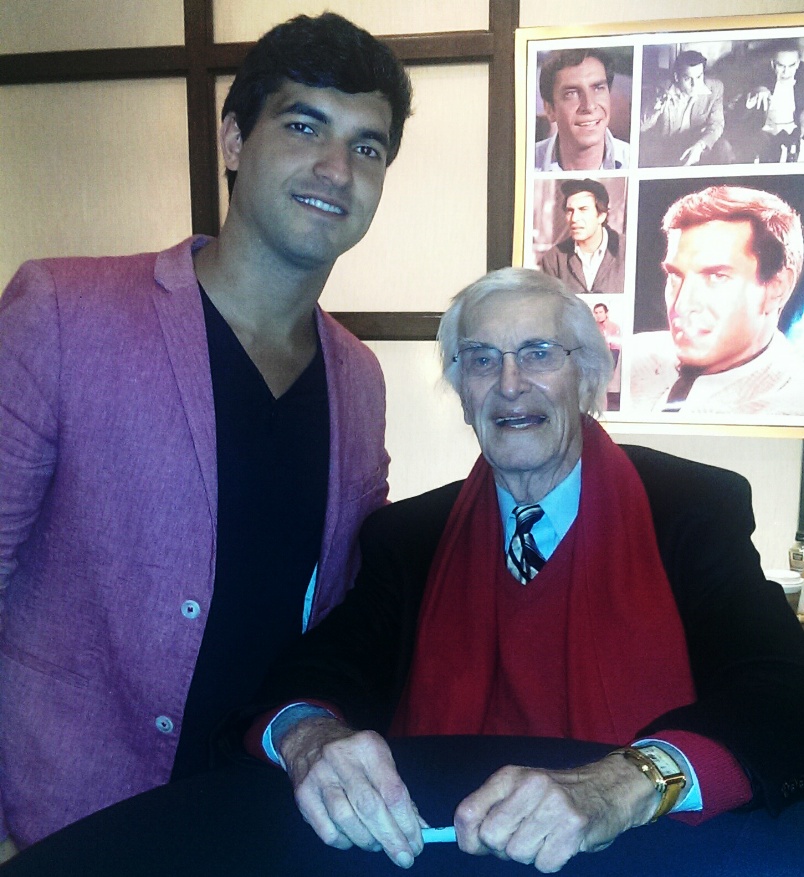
544	817
347	788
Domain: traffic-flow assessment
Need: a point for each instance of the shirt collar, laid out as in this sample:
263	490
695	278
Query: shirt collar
610	160
560	505
700	88
599	252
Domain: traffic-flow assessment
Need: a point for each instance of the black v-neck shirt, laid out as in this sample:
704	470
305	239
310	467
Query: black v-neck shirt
273	465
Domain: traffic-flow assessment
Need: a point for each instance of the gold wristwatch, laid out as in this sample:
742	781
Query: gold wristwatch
661	770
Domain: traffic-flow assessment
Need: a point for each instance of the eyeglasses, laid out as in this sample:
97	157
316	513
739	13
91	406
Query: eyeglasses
483	361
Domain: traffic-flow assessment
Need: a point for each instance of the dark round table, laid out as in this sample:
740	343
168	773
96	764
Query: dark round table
240	820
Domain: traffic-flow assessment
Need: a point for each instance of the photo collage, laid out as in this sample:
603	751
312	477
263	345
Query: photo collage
664	184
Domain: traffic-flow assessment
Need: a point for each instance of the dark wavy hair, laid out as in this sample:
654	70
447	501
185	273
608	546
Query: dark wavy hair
597	190
324	52
569	58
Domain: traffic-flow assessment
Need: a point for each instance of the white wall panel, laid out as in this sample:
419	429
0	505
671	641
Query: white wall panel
428	441
59	25
772	465
92	168
242	20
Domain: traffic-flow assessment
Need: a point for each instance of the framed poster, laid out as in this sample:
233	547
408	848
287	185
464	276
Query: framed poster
661	177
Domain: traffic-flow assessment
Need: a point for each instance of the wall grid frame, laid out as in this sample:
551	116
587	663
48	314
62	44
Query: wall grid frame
200	60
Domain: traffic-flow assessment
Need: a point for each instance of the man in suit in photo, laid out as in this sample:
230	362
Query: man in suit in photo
592	257
765	122
685	122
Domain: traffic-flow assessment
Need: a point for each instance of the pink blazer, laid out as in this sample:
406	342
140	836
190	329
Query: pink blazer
108	506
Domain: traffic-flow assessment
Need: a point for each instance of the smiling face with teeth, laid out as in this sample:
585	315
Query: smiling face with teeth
581	109
528	426
310	174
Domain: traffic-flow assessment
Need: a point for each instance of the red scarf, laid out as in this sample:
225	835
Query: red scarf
592	649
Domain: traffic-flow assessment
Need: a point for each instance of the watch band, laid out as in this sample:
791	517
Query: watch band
666	776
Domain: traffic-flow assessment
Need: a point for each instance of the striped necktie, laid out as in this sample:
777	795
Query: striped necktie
524	559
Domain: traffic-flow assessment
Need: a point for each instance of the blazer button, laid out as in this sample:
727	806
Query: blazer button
164	724
190	609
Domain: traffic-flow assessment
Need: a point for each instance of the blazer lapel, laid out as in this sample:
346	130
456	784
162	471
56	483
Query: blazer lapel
181	316
334	365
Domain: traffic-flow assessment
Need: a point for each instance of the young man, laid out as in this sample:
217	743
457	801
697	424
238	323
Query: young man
575	86
592	258
188	444
734	256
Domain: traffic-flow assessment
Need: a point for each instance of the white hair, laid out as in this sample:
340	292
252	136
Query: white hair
593	357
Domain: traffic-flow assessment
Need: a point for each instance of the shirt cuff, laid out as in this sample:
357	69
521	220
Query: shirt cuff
690	798
722	782
267	730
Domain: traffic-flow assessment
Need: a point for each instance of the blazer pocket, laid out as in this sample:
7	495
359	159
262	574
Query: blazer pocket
13	654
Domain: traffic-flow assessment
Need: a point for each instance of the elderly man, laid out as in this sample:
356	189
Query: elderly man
592	258
685	122
575	85
734	256
567	588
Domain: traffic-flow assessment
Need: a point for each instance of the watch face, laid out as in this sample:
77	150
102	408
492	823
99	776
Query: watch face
666	765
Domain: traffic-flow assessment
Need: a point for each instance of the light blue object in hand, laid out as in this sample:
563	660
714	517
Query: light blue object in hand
439	835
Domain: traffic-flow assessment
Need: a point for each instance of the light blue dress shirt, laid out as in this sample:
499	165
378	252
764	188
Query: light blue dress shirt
560	508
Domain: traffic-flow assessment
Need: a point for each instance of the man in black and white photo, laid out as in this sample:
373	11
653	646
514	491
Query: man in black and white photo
684	124
766	124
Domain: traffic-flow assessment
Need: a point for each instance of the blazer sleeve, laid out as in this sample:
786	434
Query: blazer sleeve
715	122
746	647
29	377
